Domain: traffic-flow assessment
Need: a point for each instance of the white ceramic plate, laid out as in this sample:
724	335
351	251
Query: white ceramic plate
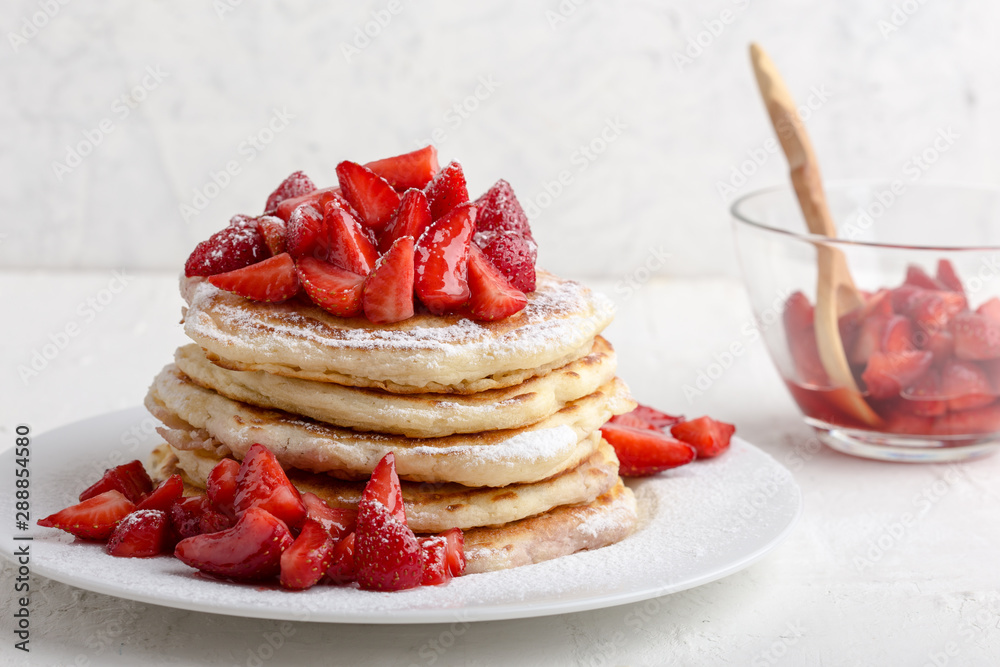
698	523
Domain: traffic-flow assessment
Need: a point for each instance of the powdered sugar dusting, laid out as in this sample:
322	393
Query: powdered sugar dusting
697	523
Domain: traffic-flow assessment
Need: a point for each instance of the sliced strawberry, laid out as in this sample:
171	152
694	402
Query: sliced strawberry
341	570
141	534
969	422
272	229
808	366
923	397
387	296
409	170
898	335
871	333
333	289
708	436
164	496
947	276
798	314
990	308
250	550
295	185
966	385
272	280
930	310
443	556
220	485
888	372
412	217
383	486
316	198
441	259
305	562
917	277
337	521
195	515
350	247
629	419
370	194
513	255
232	248
941	344
644	416
642	452
93	519
900	421
492	297
130	478
447	190
387	555
306	233
976	336
261	482
499	211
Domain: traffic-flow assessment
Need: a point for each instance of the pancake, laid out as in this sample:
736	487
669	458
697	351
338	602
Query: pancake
425	353
432	508
196	417
559	532
412	415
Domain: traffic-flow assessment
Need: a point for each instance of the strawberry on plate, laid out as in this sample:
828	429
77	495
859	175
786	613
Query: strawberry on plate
499	211
163	496
491	296
409	170
412	217
195	515
512	254
93	519
443	556
295	185
131	479
708	436
387	295
220	485
341	570
272	229
333	289
371	195
272	280
305	233
229	249
441	259
447	190
142	534
261	482
250	550
349	245
337	521
308	558
643	452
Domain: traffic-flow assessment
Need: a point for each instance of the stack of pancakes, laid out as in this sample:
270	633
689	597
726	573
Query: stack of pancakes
494	425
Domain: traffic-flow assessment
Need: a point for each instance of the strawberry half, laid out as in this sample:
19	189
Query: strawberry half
387	555
947	276
272	229
499	211
333	289
164	496
387	295
965	385
349	245
409	170
898	334
250	550
923	397
491	296
272	280
798	315
443	556
341	570
195	515
305	562
888	372
370	194
232	248
412	217
383	486
653	417
261	482
930	310
917	277
708	436
441	259
131	479
220	486
316	198
142	534
306	233
295	185
976	336
990	308
447	190
93	519
337	521
514	256
642	452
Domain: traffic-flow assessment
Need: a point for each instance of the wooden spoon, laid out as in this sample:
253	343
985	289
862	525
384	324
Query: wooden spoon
836	293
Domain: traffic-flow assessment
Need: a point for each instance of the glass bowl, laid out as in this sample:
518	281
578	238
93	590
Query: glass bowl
921	334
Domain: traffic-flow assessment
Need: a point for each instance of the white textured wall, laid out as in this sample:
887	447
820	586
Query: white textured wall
678	129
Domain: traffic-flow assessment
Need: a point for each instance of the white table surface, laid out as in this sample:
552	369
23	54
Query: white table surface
829	595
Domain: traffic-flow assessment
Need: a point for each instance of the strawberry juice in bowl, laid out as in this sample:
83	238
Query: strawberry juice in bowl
920	331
